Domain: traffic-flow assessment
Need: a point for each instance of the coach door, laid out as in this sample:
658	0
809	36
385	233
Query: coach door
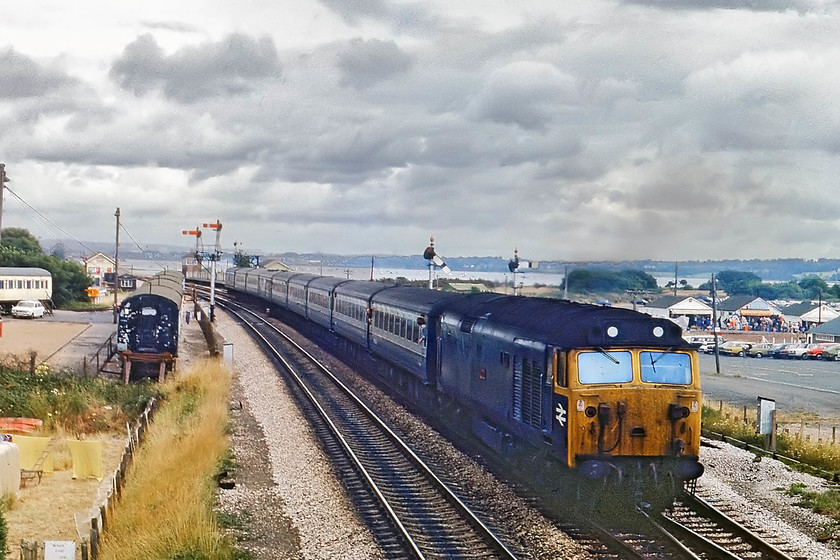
147	330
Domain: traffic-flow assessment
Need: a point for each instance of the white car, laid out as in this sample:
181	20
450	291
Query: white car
28	308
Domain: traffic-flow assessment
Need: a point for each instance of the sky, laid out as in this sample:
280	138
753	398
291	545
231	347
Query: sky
573	130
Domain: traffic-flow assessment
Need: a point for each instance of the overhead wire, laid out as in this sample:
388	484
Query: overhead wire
35	214
34	210
123	228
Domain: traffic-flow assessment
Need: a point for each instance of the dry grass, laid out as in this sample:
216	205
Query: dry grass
166	507
56	499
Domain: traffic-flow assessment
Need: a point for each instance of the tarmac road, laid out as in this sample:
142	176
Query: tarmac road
806	386
62	340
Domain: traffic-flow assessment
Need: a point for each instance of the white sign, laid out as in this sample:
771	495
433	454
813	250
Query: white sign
227	353
59	550
765	416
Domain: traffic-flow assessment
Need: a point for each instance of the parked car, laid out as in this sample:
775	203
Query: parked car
774	351
795	351
831	354
816	353
735	348
760	349
28	308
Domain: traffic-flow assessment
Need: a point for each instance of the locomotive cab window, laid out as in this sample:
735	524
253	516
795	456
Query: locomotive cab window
669	368
605	367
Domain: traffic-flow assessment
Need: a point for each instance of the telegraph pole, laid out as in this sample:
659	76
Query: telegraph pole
3	181
117	266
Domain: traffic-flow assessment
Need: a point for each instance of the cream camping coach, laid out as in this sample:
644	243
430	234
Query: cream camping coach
18	283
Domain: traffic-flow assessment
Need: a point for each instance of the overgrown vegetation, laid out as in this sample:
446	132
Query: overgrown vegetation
166	509
827	503
77	405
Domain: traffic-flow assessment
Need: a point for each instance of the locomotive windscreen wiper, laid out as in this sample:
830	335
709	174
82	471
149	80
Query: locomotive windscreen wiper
662	355
608	355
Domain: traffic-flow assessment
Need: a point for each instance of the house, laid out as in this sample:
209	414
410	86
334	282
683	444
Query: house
97	266
466	287
750	313
277	265
827	332
809	314
692	309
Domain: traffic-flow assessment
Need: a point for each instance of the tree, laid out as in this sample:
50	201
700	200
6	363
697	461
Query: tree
813	286
19	239
585	280
737	282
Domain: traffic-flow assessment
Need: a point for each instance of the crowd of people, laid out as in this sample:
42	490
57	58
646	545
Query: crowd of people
735	322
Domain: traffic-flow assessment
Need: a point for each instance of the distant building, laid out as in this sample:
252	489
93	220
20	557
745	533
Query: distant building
97	266
276	265
465	287
674	307
827	332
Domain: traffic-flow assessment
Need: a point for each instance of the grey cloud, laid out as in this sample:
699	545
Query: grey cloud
20	76
229	67
527	94
801	6
368	62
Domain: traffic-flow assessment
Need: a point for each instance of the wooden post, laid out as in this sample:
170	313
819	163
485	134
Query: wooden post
161	371
32	356
773	431
94	538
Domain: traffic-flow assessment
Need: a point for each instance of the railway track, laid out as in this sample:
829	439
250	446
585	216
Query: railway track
410	511
384	483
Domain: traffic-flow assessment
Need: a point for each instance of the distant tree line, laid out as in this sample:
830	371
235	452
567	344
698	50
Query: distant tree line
19	248
735	282
584	280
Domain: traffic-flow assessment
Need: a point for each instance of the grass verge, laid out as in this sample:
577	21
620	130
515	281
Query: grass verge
166	509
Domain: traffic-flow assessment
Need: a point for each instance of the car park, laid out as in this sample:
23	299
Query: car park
28	308
760	349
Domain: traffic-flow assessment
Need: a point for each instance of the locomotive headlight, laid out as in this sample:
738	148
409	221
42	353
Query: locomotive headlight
658	332
612	331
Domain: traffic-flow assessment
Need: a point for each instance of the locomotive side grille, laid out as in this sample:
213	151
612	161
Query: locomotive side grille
527	377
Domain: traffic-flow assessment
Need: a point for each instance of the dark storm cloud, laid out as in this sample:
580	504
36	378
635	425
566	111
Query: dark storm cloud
20	76
368	62
229	67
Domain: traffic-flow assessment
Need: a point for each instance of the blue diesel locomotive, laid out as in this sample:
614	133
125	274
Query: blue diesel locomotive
611	393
